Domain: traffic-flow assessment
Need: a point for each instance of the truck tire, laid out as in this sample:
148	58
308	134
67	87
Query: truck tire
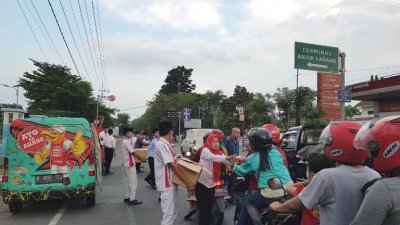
15	206
91	200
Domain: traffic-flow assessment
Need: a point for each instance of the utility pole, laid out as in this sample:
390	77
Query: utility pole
15	87
342	70
297	99
100	98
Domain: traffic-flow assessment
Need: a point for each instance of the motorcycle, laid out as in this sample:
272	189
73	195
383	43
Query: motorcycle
268	217
219	205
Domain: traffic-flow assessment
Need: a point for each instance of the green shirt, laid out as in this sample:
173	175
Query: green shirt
277	168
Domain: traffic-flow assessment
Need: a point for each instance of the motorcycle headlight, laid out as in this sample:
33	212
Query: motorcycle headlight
187	154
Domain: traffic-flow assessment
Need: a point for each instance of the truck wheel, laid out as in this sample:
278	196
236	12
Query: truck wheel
15	206
91	200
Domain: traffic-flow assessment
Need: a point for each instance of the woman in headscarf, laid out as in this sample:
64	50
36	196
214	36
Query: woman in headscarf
211	159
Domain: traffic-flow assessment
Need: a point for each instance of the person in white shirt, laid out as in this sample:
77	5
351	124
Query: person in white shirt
109	151
165	166
128	167
211	158
102	136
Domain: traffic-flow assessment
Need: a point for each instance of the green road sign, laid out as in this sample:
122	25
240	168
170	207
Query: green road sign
315	57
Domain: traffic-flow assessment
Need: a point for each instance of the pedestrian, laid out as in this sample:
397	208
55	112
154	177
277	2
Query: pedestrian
139	144
128	167
231	144
150	179
336	191
211	158
165	167
381	204
109	151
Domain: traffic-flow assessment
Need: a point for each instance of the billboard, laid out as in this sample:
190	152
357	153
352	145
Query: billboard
193	123
328	85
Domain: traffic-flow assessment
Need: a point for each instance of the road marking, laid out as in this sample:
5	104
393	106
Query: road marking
59	214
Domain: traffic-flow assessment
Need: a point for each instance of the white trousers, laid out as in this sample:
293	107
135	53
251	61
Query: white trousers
130	182
168	205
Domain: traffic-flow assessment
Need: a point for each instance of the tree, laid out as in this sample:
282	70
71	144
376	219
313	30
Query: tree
53	91
309	112
260	110
229	117
178	81
12	106
122	120
284	99
351	111
160	105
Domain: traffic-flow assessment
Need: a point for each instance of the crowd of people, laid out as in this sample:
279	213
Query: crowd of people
340	188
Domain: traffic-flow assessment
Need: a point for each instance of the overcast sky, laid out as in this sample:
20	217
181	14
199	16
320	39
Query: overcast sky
226	42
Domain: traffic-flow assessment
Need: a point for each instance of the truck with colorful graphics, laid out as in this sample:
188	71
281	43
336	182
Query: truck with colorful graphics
50	158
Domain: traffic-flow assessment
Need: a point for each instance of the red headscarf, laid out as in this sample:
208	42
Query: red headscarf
216	165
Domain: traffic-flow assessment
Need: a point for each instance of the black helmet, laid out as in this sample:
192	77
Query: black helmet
260	139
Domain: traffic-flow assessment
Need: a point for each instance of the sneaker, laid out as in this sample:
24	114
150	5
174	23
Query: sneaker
153	187
134	202
147	179
126	200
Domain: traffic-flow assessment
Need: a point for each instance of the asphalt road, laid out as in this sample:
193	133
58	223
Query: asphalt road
109	208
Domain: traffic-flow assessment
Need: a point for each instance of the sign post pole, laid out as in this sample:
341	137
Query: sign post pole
179	130
297	100
343	72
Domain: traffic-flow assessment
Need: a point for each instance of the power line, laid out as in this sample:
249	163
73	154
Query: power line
376	68
137	107
73	38
30	27
81	39
98	42
87	39
55	17
41	21
101	39
91	34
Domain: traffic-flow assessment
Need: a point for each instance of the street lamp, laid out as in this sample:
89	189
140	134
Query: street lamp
16	87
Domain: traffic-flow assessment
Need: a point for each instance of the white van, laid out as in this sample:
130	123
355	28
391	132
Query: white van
193	140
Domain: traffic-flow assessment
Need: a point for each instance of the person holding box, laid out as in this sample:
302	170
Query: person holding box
129	169
165	167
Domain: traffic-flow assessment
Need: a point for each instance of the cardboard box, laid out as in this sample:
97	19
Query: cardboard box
191	171
142	152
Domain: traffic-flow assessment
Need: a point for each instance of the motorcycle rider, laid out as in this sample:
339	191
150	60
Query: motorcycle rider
276	137
381	204
265	162
337	191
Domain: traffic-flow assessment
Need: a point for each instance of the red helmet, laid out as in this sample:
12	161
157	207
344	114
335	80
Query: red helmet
276	134
338	139
382	139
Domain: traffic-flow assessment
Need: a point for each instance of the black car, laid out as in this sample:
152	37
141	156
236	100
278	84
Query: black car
298	142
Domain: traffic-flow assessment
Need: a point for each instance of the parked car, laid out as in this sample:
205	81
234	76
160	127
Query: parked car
297	142
193	140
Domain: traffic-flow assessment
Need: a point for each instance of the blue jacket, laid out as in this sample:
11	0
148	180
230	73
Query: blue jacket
231	145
